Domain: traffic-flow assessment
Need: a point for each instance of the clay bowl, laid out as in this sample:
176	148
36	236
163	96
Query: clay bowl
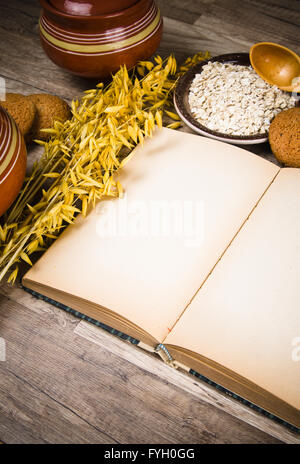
98	44
12	160
181	102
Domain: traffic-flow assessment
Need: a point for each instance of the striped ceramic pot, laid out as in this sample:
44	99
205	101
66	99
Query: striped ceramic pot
96	45
91	7
12	160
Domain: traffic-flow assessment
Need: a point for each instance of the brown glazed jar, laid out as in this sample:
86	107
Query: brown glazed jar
95	42
90	7
13	157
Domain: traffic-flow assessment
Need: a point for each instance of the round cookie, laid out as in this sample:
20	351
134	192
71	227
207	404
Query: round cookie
49	109
284	137
23	112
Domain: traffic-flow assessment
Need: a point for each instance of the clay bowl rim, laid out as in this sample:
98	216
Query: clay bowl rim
48	7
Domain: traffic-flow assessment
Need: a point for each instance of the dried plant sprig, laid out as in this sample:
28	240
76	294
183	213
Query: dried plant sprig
84	153
192	61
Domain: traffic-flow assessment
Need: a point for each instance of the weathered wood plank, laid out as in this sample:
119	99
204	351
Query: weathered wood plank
234	35
225	26
187	11
252	20
22	58
194	38
256	21
116	397
30	416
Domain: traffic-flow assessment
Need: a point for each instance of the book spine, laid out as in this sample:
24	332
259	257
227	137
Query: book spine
162	351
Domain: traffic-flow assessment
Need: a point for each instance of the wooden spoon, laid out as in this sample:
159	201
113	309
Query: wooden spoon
277	65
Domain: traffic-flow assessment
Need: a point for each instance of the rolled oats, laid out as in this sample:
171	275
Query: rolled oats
233	99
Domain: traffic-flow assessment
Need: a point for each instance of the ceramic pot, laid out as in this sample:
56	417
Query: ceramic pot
13	157
90	7
96	45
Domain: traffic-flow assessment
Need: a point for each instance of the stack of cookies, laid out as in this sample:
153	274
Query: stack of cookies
33	113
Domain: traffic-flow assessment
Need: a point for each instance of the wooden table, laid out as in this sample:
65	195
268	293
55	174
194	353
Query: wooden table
66	381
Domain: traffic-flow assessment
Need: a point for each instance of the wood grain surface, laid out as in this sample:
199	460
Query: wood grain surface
67	381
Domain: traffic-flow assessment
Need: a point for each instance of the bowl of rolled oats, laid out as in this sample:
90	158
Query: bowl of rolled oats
225	99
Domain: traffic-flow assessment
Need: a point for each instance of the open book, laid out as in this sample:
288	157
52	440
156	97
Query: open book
202	258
